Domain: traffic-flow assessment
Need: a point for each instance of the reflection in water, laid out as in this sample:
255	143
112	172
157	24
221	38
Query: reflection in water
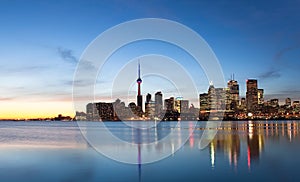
37	135
212	154
254	149
253	133
233	139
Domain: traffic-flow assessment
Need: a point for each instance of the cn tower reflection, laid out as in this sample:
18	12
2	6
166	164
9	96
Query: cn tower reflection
241	143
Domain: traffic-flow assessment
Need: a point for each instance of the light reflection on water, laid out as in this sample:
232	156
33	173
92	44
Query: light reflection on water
244	150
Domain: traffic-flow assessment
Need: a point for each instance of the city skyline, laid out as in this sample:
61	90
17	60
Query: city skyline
40	49
218	103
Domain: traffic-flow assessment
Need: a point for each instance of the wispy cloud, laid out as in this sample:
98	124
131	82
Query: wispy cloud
67	55
6	98
275	70
283	51
283	94
271	73
21	69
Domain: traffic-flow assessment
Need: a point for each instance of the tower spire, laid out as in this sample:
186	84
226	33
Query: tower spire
139	69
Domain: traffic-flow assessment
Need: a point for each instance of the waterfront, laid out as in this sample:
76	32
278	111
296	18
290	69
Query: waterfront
241	150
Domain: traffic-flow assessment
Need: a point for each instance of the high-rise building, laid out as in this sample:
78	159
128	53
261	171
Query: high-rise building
252	95
106	111
220	98
133	109
120	112
150	109
204	102
92	113
243	103
170	104
148	98
260	96
149	106
288	102
212	97
296	103
274	103
180	105
184	106
177	104
217	98
233	92
158	103
139	96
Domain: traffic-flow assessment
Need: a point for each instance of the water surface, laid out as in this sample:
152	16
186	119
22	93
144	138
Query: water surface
241	151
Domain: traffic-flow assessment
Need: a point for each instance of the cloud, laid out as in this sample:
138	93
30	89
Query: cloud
276	72
88	65
67	55
283	94
6	98
271	73
21	69
79	83
279	55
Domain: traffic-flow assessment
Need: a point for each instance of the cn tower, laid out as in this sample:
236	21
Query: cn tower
139	96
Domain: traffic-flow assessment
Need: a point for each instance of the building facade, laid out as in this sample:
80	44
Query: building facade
251	95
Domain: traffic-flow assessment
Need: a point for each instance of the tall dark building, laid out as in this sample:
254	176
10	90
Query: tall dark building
158	103
106	111
149	106
170	104
139	96
243	103
288	102
252	95
204	102
233	87
148	98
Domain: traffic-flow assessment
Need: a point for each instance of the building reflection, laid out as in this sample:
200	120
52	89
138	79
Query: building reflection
246	140
255	142
241	143
228	144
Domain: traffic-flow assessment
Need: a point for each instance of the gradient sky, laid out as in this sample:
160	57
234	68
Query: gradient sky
41	42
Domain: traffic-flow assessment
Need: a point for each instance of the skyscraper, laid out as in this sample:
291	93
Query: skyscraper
177	104
217	98
233	87
169	104
148	98
158	103
212	97
92	113
106	111
288	102
149	106
204	102
139	96
184	106
260	96
251	95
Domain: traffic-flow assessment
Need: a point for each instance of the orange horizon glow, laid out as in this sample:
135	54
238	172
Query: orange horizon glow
30	110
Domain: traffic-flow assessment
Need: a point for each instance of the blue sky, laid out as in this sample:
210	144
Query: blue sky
41	42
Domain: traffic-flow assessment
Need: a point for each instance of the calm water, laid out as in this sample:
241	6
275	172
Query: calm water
241	151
